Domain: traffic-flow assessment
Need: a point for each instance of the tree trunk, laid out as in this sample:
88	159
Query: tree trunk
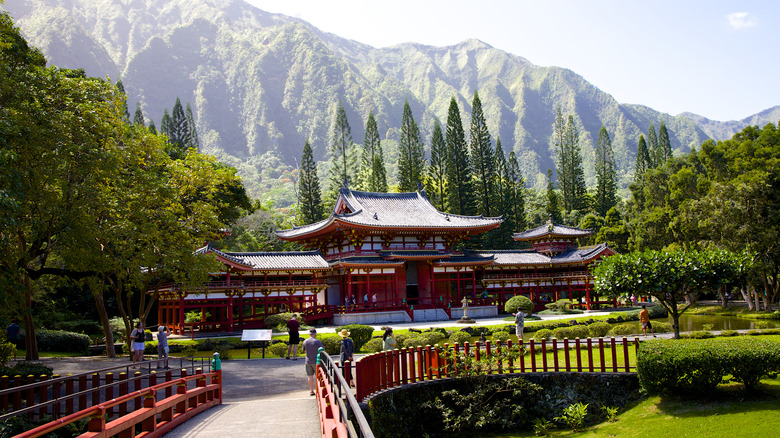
722	296
30	343
103	315
746	294
756	299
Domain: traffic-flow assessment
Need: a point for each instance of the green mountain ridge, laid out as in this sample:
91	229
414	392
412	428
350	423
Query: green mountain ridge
260	84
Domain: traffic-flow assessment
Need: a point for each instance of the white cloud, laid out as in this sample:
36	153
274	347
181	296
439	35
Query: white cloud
741	20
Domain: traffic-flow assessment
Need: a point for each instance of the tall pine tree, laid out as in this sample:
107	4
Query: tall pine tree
652	147
192	139
643	161
482	159
437	171
343	156
310	201
606	175
502	237
516	189
460	198
411	153
571	175
553	203
664	144
121	87
138	117
372	175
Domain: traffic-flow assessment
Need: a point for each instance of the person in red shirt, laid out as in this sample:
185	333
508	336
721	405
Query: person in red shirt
292	343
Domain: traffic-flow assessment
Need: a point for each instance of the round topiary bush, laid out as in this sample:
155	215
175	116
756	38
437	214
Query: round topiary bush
332	343
500	336
459	338
278	349
373	346
519	302
423	339
543	334
575	331
624	330
359	333
662	327
599	329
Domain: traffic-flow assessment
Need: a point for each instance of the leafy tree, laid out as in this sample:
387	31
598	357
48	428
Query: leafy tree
606	174
373	175
411	153
461	195
614	231
343	156
310	203
437	171
482	159
668	276
138	117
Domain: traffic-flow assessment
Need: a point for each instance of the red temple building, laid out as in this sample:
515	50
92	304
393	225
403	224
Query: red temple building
387	257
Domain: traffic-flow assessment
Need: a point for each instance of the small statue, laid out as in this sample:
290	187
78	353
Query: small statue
465	302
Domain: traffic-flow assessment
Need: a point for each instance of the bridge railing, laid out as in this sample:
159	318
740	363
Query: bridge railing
41	396
155	417
389	369
340	413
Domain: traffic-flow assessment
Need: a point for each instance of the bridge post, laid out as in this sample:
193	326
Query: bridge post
97	422
137	387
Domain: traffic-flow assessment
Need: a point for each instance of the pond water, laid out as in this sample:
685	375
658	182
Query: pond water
689	323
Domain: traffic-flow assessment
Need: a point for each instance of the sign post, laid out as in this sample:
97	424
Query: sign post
262	336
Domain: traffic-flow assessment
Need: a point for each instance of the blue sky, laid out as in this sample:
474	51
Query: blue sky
718	59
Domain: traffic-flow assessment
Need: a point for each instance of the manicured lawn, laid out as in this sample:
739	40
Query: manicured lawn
730	413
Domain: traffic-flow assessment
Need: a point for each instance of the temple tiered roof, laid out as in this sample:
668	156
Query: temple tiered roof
270	261
530	257
398	212
552	230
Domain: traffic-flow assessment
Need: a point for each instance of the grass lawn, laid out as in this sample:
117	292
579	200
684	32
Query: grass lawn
729	413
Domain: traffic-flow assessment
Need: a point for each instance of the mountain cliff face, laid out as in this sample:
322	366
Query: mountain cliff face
260	84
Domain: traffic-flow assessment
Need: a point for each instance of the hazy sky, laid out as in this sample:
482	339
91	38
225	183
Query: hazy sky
718	59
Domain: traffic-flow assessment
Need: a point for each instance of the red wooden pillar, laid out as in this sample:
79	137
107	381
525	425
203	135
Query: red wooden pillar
587	288
180	323
230	312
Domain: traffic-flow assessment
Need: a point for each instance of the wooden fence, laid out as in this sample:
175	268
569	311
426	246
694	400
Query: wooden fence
389	369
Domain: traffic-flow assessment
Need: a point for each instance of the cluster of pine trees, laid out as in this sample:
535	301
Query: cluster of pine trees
465	175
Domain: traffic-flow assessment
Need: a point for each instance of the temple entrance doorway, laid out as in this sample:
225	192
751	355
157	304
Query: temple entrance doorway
412	290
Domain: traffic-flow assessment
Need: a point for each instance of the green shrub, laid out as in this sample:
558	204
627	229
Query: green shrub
696	366
623	330
85	326
375	345
657	312
519	302
7	351
662	327
278	349
574	415
542	426
573	332
278	322
459	338
699	334
423	339
543	334
561	305
728	333
60	341
359	333
25	368
599	329
500	336
332	343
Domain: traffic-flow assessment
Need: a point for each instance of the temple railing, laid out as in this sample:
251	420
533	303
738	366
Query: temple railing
40	396
534	276
157	410
388	369
238	285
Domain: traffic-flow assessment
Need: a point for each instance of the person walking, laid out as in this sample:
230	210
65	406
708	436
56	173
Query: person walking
311	347
292	342
644	318
346	354
519	324
388	340
162	346
138	335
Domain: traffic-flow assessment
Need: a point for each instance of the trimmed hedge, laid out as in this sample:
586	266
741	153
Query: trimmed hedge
59	341
694	366
521	302
278	321
25	368
359	333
